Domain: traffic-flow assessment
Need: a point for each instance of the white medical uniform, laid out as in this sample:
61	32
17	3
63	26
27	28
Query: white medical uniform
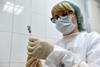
76	50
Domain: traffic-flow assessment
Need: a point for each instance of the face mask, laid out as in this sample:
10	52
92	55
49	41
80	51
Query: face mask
64	25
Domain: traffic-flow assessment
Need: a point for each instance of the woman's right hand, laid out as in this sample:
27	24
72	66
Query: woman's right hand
30	61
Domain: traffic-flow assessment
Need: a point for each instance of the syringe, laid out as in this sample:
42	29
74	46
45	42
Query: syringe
29	30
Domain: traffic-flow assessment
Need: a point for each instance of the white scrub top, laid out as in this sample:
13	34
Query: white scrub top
76	50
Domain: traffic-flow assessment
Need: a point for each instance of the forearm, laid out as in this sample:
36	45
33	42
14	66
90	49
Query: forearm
62	57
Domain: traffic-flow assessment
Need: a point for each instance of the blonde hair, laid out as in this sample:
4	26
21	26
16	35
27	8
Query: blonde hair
66	6
61	7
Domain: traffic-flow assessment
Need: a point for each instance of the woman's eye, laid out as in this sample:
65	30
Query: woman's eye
56	17
70	12
64	14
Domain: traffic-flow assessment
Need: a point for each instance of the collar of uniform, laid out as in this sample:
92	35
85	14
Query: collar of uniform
71	35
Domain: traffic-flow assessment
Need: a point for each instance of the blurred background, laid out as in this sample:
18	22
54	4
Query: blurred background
16	15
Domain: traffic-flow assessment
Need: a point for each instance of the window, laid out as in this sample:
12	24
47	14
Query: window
11	8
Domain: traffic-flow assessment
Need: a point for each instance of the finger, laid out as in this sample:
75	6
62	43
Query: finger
29	57
31	49
33	43
36	48
37	52
32	39
29	62
36	63
29	53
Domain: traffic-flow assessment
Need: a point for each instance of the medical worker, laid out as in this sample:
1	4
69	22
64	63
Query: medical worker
77	48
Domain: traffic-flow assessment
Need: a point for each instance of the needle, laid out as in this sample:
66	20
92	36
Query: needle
29	30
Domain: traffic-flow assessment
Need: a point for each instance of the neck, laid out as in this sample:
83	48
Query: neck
74	31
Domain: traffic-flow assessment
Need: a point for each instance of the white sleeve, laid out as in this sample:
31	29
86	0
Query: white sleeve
62	58
55	57
93	52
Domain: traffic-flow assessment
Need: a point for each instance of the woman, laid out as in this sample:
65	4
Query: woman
77	48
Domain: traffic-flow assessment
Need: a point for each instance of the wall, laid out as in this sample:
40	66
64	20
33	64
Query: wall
13	29
94	15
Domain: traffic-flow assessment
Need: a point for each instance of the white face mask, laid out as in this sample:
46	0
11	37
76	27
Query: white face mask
64	25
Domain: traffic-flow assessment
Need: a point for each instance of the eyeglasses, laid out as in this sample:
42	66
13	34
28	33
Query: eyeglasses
53	19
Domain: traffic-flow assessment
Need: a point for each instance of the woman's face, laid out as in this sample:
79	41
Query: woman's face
65	23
